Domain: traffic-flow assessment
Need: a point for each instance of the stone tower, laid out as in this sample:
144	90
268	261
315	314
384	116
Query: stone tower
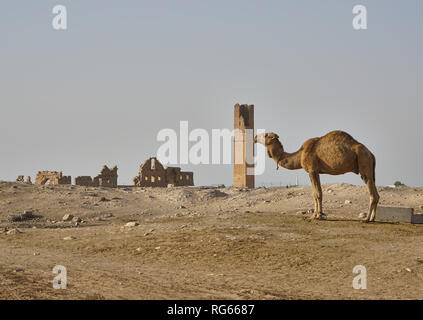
244	146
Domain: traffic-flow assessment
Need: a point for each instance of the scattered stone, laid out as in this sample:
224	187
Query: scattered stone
181	207
67	217
13	231
157	248
408	269
330	191
69	238
302	212
27	215
266	201
138	249
362	215
76	219
213	194
132	224
348	202
103	199
18	270
419	260
178	214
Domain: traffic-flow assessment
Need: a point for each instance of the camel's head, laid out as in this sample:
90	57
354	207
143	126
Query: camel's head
266	138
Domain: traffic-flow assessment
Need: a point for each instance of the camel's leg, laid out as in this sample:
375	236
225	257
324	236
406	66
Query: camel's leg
317	195
374	199
366	167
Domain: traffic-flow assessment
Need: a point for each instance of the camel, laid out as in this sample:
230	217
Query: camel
335	153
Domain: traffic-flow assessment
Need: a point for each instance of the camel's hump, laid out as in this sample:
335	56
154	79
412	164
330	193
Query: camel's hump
337	136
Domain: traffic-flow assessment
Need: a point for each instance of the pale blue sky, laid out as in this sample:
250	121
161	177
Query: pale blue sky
100	92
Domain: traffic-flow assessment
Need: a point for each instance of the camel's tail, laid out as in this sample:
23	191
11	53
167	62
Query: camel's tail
374	169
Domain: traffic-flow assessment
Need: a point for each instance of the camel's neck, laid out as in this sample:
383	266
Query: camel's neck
290	161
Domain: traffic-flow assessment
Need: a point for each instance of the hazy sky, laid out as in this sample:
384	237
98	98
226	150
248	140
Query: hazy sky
99	92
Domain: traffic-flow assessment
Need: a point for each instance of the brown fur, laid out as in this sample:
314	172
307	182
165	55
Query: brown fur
335	153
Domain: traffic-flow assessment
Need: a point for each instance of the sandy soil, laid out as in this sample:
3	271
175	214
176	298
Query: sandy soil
194	243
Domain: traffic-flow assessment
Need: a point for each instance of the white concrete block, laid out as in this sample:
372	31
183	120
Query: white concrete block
400	214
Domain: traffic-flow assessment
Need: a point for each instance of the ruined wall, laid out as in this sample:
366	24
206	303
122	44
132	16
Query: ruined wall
85	181
54	177
106	178
153	174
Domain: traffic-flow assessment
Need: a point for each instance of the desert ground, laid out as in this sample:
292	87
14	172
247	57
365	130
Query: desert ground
206	243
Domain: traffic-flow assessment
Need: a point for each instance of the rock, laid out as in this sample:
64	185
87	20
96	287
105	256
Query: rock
302	212
362	215
213	194
408	269
348	202
76	219
132	224
102	199
67	217
13	231
330	191
69	238
157	248
27	215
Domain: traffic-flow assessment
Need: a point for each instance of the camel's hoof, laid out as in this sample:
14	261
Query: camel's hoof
321	217
365	220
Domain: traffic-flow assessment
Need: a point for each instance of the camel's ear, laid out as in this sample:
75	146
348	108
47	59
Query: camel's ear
272	135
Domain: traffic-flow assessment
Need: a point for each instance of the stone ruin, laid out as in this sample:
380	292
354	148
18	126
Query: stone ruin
21	179
106	178
153	174
53	176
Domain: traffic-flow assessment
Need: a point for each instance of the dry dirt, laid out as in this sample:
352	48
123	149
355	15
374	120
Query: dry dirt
194	243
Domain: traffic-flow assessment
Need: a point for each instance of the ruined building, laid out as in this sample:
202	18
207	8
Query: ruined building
106	178
53	176
153	174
